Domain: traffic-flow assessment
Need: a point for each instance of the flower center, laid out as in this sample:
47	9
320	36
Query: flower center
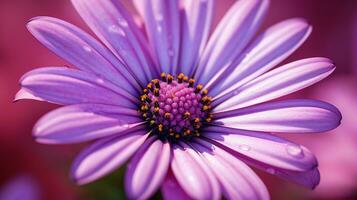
174	108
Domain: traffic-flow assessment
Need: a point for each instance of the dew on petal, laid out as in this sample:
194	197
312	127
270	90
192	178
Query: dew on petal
294	150
87	49
159	28
244	147
123	22
116	29
100	81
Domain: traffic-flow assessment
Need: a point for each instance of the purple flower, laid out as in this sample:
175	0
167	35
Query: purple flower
189	107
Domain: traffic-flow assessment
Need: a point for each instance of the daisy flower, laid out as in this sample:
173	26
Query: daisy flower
187	108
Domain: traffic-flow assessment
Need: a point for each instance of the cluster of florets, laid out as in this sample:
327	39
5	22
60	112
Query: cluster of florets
174	108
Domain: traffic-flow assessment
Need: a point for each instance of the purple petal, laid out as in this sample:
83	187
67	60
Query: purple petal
83	122
162	21
309	178
289	116
106	155
147	170
193	175
62	85
171	190
195	26
230	37
277	83
238	181
268	50
114	26
264	147
82	50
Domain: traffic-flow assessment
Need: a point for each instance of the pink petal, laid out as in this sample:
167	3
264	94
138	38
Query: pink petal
289	116
105	156
147	170
162	21
191	175
269	49
114	26
276	83
230	37
171	190
238	181
264	147
82	50
196	23
83	122
62	85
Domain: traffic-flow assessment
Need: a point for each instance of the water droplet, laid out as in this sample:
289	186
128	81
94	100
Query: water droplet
100	81
159	28
123	22
116	29
87	49
244	147
271	170
294	150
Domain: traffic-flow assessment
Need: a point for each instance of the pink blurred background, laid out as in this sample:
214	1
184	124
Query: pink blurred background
334	36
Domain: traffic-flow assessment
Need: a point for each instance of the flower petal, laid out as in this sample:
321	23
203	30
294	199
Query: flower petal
62	85
230	37
289	116
162	22
309	178
238	181
264	147
106	155
195	26
148	168
171	190
191	175
268	50
276	83
82	50
114	26
83	122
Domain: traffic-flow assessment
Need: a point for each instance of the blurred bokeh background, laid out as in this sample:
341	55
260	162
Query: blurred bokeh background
41	171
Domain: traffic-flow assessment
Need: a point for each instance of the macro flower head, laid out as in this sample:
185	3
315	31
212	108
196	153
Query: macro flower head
189	108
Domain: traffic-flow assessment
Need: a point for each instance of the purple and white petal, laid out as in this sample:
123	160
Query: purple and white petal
309	178
106	155
115	27
264	147
81	50
65	86
230	37
147	169
269	49
190	175
171	190
215	187
162	23
238	181
195	27
288	116
276	83
84	122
